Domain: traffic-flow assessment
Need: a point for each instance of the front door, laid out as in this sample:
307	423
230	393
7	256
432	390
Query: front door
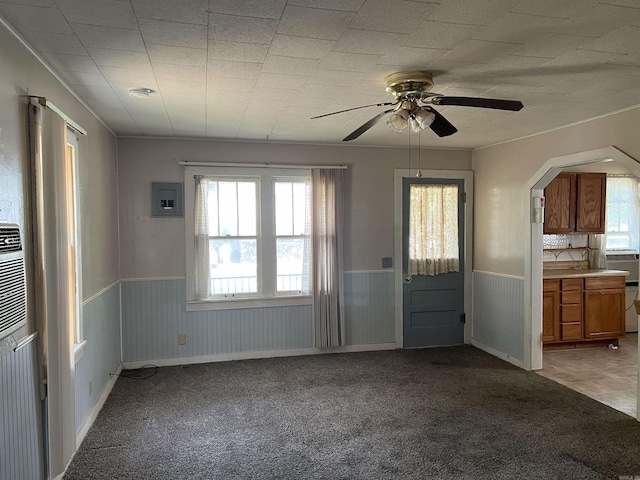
433	300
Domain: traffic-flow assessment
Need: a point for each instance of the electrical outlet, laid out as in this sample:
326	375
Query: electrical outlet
182	339
90	387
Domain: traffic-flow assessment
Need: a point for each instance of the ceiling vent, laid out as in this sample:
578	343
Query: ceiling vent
13	289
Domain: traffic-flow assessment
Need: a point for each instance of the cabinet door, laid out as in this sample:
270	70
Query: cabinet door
551	316
560	204
592	194
604	313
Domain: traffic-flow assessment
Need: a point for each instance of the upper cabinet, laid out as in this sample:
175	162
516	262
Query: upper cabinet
575	202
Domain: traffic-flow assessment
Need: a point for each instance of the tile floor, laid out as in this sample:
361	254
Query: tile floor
607	375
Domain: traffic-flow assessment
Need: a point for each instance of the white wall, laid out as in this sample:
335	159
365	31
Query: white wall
369	221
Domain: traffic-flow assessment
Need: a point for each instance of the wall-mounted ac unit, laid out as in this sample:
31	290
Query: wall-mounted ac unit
13	286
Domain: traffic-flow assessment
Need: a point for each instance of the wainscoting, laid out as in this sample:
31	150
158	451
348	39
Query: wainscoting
21	445
101	354
153	315
498	315
369	307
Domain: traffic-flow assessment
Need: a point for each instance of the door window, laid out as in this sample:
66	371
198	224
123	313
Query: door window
433	229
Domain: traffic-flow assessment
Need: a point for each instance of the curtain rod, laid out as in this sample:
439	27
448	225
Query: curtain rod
190	163
70	122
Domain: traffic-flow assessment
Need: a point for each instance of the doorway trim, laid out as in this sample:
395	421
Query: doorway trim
533	237
467	176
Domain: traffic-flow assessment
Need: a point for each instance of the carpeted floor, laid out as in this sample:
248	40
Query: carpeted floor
450	413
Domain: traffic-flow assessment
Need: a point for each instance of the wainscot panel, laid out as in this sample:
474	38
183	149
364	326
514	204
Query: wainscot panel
369	307
101	354
498	313
21	445
154	315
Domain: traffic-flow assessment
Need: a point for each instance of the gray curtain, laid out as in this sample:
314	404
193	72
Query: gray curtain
327	219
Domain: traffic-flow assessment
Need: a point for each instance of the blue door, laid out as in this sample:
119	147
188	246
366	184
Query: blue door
433	301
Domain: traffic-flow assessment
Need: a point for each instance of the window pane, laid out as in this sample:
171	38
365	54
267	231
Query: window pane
622	213
247	208
290	264
212	209
234	267
299	208
228	208
284	208
433	229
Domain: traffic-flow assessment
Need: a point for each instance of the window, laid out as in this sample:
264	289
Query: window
248	235
622	213
433	229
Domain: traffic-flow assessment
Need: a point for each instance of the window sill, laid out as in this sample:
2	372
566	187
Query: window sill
78	351
235	304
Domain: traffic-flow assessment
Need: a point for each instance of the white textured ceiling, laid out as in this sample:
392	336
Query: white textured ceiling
259	69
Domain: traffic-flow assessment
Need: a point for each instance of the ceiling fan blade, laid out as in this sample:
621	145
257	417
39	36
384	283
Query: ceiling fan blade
366	126
441	126
496	103
356	108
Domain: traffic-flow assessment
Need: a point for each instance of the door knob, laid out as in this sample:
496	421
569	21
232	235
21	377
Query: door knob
408	278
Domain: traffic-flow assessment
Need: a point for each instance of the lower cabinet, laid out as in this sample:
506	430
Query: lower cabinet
604	313
551	311
581	311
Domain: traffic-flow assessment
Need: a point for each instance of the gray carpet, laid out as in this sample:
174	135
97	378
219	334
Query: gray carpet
440	413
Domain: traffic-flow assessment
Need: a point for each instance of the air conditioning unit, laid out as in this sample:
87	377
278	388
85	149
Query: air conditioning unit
13	284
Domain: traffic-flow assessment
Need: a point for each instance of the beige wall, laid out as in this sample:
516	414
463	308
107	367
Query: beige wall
154	247
502	171
21	75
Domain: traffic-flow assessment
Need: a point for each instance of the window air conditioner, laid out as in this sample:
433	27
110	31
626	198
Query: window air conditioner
13	288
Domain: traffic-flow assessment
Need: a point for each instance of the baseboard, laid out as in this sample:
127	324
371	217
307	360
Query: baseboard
93	414
226	357
499	354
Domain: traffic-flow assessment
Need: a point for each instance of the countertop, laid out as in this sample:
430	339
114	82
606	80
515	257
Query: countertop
585	272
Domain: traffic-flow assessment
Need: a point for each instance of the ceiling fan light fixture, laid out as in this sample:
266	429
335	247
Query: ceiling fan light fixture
399	120
423	118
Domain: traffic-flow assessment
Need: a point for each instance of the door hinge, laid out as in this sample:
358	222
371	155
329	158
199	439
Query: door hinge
463	317
464	197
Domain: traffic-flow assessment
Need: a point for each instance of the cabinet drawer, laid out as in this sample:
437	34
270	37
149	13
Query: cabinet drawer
571	331
573	296
600	283
550	285
572	284
570	313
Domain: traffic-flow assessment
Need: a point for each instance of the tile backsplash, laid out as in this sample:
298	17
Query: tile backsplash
569	240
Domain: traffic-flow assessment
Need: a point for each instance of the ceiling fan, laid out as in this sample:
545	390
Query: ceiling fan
412	106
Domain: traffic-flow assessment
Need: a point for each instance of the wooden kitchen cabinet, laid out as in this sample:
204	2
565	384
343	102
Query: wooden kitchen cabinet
591	204
560	204
604	312
550	310
581	311
575	202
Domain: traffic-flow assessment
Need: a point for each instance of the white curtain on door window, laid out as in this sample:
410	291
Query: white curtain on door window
433	229
328	299
202	285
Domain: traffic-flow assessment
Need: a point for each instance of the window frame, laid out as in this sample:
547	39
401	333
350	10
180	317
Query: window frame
265	213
